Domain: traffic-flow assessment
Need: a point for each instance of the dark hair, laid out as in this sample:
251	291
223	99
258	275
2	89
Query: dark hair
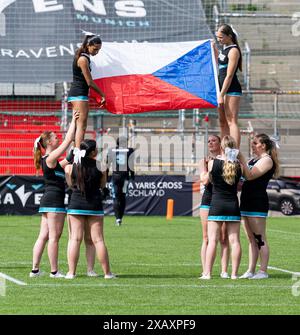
227	30
82	176
88	40
270	149
41	144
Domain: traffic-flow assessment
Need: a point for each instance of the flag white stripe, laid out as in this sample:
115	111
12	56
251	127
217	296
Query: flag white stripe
118	59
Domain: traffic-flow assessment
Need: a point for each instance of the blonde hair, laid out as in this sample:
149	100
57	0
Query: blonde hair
41	144
229	168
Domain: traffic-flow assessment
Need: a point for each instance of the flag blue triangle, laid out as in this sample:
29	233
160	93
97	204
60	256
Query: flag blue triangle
192	72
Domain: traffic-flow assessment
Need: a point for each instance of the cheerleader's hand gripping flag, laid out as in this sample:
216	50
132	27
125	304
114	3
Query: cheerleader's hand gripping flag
144	77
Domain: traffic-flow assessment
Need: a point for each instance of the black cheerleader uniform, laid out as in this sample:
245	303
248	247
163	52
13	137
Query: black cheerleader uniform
206	197
89	203
79	90
224	203
53	199
254	197
235	88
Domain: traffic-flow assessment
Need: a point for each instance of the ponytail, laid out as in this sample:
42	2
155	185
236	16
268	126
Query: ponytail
228	31
88	40
231	164
81	176
40	144
271	149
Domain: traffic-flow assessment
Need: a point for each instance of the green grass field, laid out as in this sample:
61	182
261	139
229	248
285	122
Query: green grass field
158	266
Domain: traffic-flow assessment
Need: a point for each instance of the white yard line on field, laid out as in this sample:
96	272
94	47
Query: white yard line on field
283	270
9	278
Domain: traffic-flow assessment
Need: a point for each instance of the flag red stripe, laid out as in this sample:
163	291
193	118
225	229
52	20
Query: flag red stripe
143	93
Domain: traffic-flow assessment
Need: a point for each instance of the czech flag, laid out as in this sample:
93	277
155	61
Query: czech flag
144	77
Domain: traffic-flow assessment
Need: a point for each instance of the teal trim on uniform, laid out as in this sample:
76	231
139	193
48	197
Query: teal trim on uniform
85	212
223	66
254	214
59	174
204	207
52	210
234	94
224	218
79	98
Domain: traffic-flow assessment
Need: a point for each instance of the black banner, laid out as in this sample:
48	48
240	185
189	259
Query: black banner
147	195
38	37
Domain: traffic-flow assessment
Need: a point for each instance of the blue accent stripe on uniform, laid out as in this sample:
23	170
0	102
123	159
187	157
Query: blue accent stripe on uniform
223	66
254	214
204	207
79	98
224	218
234	94
52	210
59	174
85	212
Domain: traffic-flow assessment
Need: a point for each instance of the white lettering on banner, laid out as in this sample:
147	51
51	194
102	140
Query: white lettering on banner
170	185
130	8
63	48
7	52
41	6
8	199
22	53
37	198
38	54
146	193
97	7
22	195
82	17
51	52
127	8
146	185
112	22
5	3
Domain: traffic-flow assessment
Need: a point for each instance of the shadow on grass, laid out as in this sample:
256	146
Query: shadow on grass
280	276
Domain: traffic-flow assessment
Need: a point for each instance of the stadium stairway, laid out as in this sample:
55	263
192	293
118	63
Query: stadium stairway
20	124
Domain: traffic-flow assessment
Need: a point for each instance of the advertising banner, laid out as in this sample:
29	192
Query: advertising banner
147	195
38	37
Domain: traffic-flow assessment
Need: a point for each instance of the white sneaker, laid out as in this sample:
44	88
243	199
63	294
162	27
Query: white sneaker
260	275
92	273
69	276
205	277
57	275
224	275
234	277
34	275
118	222
247	275
110	276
